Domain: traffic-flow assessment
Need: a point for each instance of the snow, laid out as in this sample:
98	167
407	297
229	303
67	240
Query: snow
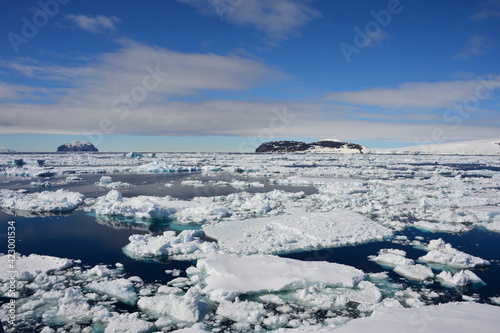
460	279
27	267
451	317
242	312
186	246
46	201
141	207
295	232
159	166
185	308
125	323
392	258
443	253
414	272
121	289
226	276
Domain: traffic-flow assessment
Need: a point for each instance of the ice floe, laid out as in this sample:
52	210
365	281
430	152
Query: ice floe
141	207
224	277
186	246
451	317
46	201
460	279
295	232
443	253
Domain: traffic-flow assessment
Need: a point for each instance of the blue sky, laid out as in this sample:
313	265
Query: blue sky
227	75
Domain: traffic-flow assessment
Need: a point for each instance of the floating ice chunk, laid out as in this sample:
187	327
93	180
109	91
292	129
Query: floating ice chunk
201	214
392	258
415	272
28	267
185	308
242	312
299	231
73	307
443	253
244	184
121	289
162	167
129	322
226	276
441	227
141	207
451	317
460	279
46	201
186	246
495	300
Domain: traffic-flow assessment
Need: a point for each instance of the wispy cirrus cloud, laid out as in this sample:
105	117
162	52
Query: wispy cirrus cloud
278	19
476	45
94	24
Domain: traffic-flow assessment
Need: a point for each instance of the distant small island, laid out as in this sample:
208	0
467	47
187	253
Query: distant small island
77	146
323	146
6	150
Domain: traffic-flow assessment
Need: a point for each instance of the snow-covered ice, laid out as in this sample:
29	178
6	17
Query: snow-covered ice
295	232
186	246
46	201
443	253
141	207
451	317
460	279
27	267
226	276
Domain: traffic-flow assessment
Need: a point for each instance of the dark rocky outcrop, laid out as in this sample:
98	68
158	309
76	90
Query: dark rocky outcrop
77	146
287	146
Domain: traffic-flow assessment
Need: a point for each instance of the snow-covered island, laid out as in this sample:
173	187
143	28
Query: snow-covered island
323	146
77	146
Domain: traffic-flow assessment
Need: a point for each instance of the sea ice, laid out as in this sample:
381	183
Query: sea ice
27	267
162	167
225	276
414	272
460	279
141	207
185	308
443	253
121	289
46	201
392	258
451	317
186	246
295	232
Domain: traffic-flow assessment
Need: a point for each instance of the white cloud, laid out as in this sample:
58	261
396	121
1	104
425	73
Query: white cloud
418	94
95	24
278	19
476	45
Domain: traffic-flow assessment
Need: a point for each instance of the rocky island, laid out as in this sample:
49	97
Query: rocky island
323	146
77	146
